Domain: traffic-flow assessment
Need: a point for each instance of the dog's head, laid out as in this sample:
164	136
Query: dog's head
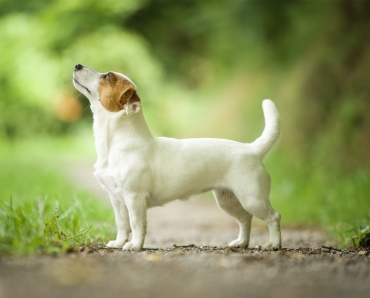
113	91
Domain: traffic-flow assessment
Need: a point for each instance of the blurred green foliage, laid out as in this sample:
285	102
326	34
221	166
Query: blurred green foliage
40	44
317	51
311	57
203	68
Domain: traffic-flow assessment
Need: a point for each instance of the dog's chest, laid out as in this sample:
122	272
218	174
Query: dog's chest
101	136
109	149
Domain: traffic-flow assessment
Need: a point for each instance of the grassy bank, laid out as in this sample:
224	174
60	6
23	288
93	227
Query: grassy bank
308	193
41	211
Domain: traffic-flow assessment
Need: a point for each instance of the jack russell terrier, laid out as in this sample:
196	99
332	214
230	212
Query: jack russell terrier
140	171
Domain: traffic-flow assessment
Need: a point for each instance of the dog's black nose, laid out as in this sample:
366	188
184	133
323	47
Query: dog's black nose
79	66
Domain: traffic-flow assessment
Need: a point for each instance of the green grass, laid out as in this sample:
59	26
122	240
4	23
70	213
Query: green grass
40	210
311	194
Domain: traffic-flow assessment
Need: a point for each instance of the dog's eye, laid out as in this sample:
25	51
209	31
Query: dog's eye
107	76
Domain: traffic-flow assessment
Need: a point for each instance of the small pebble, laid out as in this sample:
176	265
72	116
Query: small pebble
363	253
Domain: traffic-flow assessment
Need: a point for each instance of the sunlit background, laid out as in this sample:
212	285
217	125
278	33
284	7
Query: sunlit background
202	69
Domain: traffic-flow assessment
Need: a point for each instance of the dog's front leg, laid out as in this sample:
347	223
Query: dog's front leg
122	222
136	205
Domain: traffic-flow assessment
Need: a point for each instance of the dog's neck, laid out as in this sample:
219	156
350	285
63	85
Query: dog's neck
118	129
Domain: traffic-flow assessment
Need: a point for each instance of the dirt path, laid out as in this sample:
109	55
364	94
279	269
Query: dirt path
207	269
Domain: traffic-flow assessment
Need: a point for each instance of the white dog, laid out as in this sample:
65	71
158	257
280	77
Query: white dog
140	171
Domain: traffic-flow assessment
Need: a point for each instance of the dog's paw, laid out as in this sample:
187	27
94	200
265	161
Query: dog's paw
271	246
115	243
239	243
132	246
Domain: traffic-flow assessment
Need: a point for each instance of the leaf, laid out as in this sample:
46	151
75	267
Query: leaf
364	229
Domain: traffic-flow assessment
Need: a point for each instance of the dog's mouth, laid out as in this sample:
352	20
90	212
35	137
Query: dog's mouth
78	83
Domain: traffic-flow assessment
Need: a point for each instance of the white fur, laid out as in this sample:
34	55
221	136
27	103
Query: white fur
140	171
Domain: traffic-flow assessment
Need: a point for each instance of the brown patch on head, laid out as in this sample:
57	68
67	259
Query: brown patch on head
116	93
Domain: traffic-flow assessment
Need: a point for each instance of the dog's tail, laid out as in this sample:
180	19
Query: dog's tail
272	129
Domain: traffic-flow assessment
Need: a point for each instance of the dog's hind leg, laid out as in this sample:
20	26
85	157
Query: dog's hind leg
254	197
271	217
227	201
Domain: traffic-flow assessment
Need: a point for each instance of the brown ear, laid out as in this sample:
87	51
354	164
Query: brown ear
128	97
130	101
